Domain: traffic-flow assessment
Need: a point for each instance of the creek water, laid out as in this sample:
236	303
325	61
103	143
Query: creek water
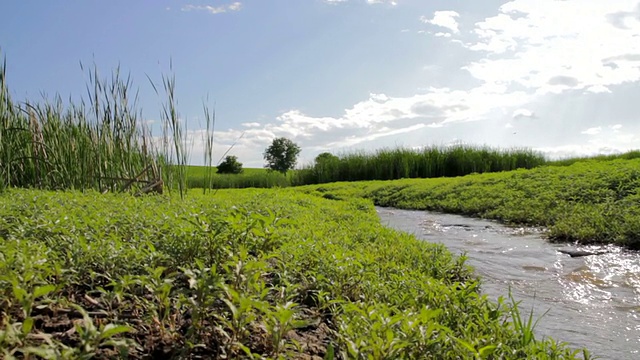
591	301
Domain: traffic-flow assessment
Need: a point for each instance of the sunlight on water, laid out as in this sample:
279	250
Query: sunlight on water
592	301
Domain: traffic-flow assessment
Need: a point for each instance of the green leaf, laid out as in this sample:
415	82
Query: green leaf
486	351
330	355
112	329
43	290
27	325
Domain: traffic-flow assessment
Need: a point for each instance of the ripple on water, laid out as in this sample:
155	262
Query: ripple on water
593	301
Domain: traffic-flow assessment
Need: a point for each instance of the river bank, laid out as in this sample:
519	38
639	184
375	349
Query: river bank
588	202
588	302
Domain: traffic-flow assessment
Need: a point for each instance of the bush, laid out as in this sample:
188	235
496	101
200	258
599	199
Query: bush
230	165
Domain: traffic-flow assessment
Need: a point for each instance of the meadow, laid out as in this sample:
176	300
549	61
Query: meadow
249	178
243	274
89	271
591	201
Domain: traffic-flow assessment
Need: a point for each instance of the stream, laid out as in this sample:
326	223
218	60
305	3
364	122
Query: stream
592	301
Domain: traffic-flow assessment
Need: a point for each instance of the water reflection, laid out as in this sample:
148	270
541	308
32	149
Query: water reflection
592	301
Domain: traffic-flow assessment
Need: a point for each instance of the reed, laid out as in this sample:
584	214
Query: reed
429	162
100	142
249	179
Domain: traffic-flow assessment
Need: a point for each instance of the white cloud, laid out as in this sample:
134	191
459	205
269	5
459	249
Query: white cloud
391	2
602	143
370	2
552	46
592	131
445	19
598	89
523	113
236	6
529	52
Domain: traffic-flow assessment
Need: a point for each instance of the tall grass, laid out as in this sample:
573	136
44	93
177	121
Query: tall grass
249	179
434	161
629	155
49	145
208	151
98	143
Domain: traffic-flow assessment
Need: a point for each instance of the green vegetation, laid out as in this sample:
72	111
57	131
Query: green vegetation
104	145
249	178
588	202
429	162
243	274
281	155
382	165
230	165
48	146
629	155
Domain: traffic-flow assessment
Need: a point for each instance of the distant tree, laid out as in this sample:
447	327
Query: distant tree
325	157
230	165
281	155
325	165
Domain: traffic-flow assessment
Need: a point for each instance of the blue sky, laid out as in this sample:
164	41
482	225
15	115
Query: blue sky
558	76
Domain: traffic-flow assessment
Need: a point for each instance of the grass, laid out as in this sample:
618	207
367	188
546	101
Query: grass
249	178
51	146
99	143
428	162
242	274
629	155
588	202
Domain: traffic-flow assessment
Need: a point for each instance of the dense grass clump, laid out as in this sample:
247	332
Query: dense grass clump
588	202
100	143
51	146
244	274
429	162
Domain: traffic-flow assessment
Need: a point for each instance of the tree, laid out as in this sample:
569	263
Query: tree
281	155
230	165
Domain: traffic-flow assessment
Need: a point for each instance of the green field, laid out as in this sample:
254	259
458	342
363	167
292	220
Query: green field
249	178
274	273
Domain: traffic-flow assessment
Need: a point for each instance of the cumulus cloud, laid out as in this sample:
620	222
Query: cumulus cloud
525	56
445	19
552	46
592	131
236	6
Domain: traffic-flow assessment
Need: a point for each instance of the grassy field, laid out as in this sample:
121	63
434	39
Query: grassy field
242	274
249	178
589	201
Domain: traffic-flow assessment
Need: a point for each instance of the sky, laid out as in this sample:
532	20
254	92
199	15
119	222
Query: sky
557	76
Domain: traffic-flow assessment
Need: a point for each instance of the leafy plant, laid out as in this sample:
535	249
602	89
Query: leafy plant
230	165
